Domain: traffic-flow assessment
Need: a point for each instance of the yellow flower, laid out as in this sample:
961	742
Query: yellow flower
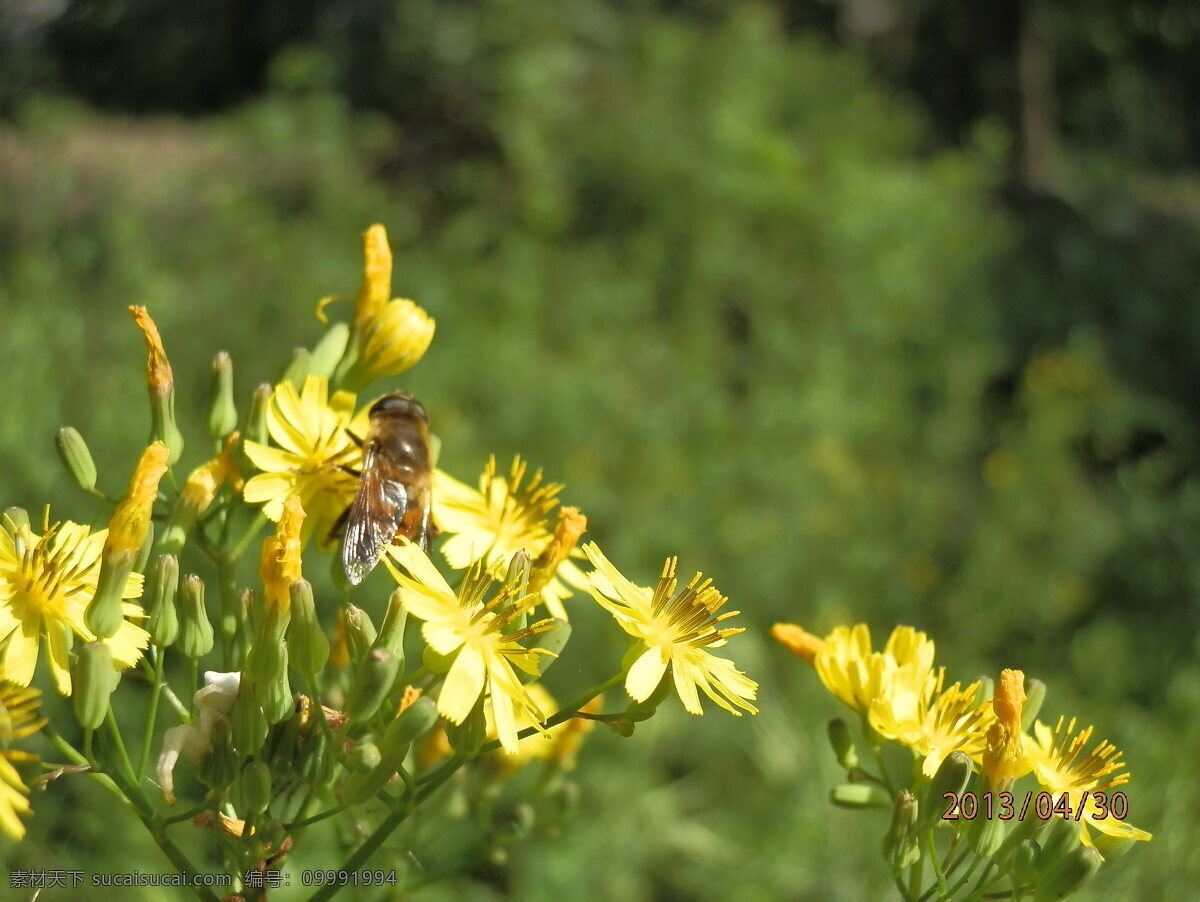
388	337
1062	765
887	686
942	722
500	519
19	717
206	480
46	584
466	626
314	454
1005	759
281	565
677	630
130	522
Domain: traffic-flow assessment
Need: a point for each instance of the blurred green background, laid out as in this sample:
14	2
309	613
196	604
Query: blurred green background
876	310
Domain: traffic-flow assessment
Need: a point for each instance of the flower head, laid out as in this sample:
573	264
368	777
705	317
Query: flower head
887	685
1062	764
19	717
158	369
206	480
473	630
389	336
506	515
46	584
281	565
314	457
677	629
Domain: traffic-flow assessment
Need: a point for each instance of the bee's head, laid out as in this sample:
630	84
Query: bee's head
399	403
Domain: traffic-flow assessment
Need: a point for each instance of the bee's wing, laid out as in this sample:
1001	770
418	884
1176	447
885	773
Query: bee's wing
375	516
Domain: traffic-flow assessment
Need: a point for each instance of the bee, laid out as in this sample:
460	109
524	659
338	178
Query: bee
394	488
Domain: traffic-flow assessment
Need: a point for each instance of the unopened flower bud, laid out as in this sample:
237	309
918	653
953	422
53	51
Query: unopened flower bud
236	629
329	351
195	630
1065	876
391	633
797	640
902	842
1024	862
1062	836
95	678
374	678
364	785
360	631
267	659
298	368
315	763
250	725
222	411
256	786
860	795
308	647
951	778
1035	694
412	723
842	744
276	696
76	457
163	619
467	737
219	768
365	757
256	416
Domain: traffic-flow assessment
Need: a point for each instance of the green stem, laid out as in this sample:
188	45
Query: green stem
152	712
73	755
185	815
931	848
122	755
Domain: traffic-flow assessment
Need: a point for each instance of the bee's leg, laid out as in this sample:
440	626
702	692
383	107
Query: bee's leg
354	438
338	528
353	472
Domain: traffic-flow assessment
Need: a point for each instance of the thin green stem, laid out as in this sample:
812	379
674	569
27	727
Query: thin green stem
931	848
76	757
152	710
185	815
122	754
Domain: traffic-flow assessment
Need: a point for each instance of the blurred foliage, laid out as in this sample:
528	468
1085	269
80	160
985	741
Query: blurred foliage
709	273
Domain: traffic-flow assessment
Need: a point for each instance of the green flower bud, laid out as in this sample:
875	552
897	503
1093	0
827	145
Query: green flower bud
374	678
218	770
1112	847
308	646
329	350
95	678
195	631
298	368
256	786
467	737
435	662
256	415
222	411
163	620
249	723
360	632
276	696
414	722
365	757
1024	863
76	457
267	659
1066	875
1061	837
283	744
902	842
1035	694
952	776
163	426
987	689
860	795
391	634
362	786
314	765
986	834
842	744
237	632
146	550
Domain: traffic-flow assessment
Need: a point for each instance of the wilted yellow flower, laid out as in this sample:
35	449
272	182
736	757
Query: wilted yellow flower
677	629
281	564
46	584
388	336
130	522
206	480
1005	759
158	369
19	717
1062	765
466	626
797	640
503	517
314	456
942	722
